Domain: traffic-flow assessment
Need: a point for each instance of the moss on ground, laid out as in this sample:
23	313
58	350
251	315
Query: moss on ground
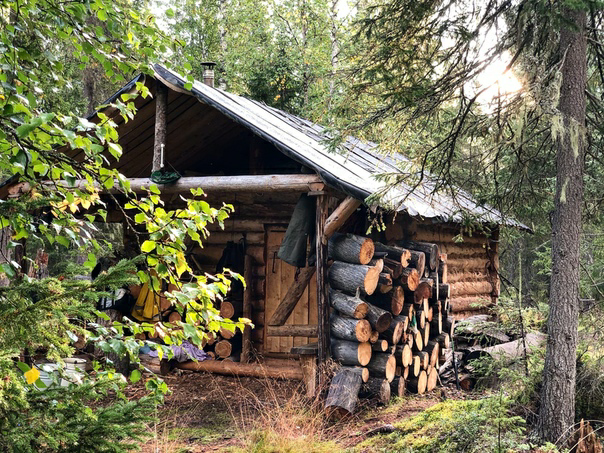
483	425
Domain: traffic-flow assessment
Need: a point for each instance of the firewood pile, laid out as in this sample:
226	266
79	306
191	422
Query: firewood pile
478	337
390	324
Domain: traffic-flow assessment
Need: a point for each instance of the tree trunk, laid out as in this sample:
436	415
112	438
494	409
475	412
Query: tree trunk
557	409
161	126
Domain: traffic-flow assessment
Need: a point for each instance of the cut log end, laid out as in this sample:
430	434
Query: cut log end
418	384
364	353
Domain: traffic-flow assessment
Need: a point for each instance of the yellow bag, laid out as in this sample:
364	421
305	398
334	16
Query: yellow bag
146	308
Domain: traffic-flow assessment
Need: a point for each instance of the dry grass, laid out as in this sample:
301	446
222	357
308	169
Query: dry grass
283	419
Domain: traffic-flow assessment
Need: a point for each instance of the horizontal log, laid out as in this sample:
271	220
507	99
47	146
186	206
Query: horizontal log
244	369
469	275
349	329
292	330
474	263
430	250
222	184
378	318
348	305
352	277
470	288
361	371
471	303
511	350
397	386
418	384
398	254
448	236
378	388
351	248
350	352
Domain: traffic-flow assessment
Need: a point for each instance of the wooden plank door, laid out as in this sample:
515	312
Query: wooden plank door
279	278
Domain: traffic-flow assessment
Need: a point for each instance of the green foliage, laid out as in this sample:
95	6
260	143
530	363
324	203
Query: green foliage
72	419
63	162
458	426
277	52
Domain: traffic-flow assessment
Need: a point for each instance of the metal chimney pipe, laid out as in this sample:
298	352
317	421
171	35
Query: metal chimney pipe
208	73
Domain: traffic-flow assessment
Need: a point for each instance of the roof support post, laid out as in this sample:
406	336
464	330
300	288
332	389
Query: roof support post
339	216
322	302
161	125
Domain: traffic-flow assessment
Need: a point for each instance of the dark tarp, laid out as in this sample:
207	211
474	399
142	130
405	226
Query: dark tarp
300	230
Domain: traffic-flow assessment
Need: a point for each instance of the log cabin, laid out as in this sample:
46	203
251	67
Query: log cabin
262	161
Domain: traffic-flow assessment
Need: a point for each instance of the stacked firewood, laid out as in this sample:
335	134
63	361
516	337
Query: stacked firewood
390	322
224	344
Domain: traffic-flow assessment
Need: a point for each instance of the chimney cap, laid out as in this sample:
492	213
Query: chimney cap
210	64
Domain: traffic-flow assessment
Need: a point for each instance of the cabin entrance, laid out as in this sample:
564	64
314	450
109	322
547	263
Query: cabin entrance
279	278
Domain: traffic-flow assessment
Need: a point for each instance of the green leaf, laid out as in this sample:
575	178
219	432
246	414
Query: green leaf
23	367
25	129
102	15
148	246
135	376
91	261
62	240
115	150
8	270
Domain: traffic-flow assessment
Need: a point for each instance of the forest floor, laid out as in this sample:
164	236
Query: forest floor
211	413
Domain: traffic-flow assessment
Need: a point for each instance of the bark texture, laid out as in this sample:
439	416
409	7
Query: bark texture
557	409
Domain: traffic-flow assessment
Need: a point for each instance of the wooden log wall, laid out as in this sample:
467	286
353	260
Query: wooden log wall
472	261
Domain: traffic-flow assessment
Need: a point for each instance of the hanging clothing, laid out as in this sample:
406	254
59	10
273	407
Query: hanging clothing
300	230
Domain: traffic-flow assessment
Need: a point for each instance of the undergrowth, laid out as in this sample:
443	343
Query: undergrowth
484	425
